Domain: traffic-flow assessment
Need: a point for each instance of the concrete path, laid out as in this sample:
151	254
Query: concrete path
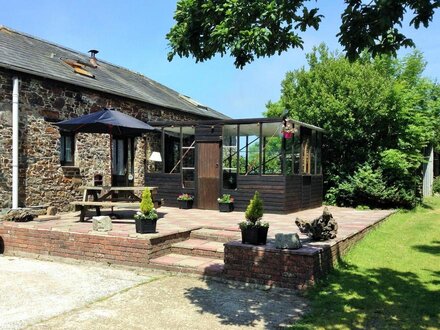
35	290
50	295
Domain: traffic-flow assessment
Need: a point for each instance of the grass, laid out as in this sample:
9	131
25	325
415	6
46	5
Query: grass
389	280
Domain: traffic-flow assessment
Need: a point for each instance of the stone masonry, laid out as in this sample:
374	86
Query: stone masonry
42	178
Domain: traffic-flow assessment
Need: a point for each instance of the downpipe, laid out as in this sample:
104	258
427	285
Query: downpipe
15	135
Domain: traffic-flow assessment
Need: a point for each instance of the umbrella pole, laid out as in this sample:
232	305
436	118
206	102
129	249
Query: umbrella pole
111	158
110	133
112	214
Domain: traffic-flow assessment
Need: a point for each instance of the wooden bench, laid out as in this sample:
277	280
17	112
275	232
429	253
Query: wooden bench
83	206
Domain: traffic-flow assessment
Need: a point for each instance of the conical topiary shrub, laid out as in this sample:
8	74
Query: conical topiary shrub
254	211
146	203
253	231
147	217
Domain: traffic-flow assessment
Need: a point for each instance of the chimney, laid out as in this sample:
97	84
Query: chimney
93	61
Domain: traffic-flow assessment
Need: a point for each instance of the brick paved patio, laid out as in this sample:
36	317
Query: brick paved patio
174	220
190	241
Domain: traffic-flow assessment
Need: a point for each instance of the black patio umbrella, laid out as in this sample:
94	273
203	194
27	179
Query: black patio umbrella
109	121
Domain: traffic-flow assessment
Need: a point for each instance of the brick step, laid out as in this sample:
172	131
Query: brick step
216	235
188	264
199	247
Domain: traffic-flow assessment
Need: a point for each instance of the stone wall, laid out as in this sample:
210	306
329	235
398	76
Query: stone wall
5	140
42	178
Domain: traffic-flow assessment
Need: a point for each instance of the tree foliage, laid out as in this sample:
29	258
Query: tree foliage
256	28
436	185
379	114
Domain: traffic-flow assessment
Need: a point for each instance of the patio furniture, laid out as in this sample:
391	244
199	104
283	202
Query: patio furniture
110	197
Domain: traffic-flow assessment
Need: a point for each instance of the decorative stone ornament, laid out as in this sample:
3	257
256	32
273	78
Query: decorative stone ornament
287	241
52	210
102	223
319	229
20	215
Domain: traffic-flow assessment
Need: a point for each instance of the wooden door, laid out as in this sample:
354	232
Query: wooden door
208	175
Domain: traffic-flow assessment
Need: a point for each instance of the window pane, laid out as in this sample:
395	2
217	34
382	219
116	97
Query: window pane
172	149
63	149
288	152
306	148
250	149
230	156
68	152
66	148
296	150
188	178
272	144
312	153
154	140
318	153
188	157
118	157
130	159
188	136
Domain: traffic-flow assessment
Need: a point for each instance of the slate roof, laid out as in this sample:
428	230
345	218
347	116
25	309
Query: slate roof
25	53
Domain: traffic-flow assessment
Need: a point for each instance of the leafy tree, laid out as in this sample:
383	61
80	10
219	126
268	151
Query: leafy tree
256	28
378	114
436	185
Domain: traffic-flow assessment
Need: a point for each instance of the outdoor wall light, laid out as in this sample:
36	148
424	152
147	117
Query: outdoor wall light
155	156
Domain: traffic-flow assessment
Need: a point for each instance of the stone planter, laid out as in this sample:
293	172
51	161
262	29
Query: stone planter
145	226
186	204
226	207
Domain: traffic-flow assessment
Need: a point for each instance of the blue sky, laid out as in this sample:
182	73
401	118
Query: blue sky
132	34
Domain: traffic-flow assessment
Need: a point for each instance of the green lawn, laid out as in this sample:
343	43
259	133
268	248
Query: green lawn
389	280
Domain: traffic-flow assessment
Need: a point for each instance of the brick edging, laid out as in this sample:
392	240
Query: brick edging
268	266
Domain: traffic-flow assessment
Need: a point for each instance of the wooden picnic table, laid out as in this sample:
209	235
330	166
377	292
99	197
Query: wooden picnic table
112	193
111	196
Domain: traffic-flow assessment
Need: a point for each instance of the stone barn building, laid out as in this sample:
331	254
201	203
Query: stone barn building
48	83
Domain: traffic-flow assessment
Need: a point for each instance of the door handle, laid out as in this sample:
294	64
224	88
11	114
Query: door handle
216	165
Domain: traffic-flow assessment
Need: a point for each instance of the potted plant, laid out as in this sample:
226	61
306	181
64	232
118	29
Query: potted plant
146	218
253	230
225	203
185	201
288	129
